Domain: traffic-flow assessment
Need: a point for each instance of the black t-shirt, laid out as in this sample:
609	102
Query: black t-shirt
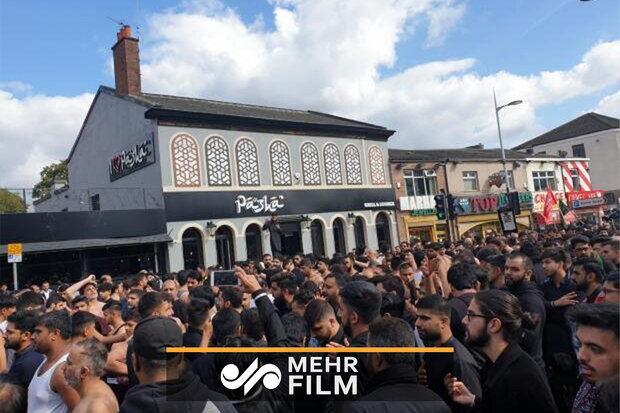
24	367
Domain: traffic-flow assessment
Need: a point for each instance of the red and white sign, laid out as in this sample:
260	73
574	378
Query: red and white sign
581	195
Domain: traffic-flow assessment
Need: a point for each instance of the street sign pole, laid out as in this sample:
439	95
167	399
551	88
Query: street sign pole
15	287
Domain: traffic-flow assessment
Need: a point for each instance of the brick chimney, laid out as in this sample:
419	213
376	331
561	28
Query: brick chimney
126	63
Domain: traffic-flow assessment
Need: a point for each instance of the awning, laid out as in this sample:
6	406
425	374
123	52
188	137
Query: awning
39	247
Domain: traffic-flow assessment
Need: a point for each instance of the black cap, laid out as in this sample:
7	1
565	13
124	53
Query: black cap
153	335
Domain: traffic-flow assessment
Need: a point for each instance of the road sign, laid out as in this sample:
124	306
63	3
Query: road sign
582	203
14	252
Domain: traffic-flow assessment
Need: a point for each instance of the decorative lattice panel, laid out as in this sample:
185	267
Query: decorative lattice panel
280	164
333	170
310	164
218	162
185	161
353	165
377	170
247	163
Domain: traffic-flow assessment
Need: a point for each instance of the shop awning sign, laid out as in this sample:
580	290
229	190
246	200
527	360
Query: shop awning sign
584	203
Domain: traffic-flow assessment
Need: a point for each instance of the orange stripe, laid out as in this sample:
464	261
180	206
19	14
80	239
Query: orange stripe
310	350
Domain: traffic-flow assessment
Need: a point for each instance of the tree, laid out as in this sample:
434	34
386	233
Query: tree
11	203
48	175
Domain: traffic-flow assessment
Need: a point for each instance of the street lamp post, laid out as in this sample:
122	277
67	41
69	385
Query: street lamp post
499	132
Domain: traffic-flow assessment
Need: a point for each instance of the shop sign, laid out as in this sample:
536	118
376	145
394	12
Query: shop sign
421	212
259	205
581	195
539	201
488	204
389	204
584	203
130	160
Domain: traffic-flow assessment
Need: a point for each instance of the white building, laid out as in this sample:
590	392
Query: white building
592	136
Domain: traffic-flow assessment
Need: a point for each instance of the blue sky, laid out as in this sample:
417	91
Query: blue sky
61	49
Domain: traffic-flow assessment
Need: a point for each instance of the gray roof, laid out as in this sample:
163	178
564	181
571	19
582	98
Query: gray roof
215	107
465	154
583	125
39	247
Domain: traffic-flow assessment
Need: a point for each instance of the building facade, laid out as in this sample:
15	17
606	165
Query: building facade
474	179
220	170
592	136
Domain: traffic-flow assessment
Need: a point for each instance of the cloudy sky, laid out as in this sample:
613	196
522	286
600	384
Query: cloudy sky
425	68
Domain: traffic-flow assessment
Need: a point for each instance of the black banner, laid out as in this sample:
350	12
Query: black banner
189	206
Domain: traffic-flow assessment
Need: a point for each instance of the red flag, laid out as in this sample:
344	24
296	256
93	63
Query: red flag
550	201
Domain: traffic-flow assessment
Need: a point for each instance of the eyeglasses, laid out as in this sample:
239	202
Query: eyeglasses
471	315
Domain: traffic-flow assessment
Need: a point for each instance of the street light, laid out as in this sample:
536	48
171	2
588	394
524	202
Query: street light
499	132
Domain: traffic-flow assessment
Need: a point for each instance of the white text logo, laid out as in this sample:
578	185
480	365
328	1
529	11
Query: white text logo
231	379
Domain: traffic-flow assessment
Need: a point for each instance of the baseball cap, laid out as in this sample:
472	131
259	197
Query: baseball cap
153	335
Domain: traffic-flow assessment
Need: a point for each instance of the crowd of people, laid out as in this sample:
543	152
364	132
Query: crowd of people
532	318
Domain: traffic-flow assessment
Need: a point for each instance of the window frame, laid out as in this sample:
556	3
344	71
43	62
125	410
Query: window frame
544	176
581	148
473	178
410	175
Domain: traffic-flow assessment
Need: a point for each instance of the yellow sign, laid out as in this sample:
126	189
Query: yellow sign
14	249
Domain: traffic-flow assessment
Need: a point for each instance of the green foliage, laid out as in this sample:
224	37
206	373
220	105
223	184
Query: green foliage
48	175
11	203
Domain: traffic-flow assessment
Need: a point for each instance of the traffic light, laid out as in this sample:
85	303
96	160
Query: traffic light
513	202
440	207
451	207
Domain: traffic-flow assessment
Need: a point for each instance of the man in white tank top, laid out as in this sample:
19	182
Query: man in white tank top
48	392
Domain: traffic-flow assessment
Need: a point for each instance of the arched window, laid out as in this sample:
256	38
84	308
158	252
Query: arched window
353	165
185	161
333	170
339	242
310	164
253	242
218	162
382	224
192	249
247	163
316	234
358	230
375	162
280	164
224	244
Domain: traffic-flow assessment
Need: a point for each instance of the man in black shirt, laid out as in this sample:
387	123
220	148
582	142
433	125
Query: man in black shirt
462	279
433	324
18	337
588	276
518	273
512	381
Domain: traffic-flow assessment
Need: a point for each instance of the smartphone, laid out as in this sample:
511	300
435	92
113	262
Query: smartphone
223	278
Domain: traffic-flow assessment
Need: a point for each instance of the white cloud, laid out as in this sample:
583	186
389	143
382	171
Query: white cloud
609	105
328	56
36	131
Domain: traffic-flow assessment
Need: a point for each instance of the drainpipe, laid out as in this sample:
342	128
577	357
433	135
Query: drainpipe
451	233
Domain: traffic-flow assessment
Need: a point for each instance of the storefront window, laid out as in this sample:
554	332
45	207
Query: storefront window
253	242
383	230
421	182
544	180
339	243
224	245
192	249
316	234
